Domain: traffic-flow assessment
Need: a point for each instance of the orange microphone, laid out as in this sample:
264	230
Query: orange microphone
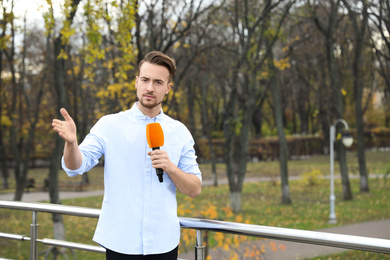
155	138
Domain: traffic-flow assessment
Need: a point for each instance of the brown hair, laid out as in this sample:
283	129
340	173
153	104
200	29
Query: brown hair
159	58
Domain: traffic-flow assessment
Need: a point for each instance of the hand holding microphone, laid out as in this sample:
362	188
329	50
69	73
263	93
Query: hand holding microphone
155	138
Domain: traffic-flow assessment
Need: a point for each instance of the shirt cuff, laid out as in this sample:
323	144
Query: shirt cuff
72	173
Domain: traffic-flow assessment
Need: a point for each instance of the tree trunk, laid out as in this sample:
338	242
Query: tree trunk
213	162
342	158
59	85
58	223
360	132
24	149
15	139
283	151
207	129
3	161
357	71
334	82
235	200
236	131
3	157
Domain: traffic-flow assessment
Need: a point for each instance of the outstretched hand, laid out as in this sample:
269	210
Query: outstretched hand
66	129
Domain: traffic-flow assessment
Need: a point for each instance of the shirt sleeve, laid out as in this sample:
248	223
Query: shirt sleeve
188	163
92	149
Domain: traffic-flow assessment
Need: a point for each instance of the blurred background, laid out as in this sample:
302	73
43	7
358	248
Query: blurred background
256	80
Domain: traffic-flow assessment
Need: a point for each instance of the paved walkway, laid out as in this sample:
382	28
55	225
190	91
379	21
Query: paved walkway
292	251
37	196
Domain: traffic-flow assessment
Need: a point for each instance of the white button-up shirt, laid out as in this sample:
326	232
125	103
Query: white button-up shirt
139	214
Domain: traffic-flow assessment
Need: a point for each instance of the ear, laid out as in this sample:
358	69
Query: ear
136	82
168	88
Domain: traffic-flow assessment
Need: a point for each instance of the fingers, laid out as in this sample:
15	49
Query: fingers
160	159
65	114
65	129
56	124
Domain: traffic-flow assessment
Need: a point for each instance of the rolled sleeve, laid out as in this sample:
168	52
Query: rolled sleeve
72	173
92	149
188	163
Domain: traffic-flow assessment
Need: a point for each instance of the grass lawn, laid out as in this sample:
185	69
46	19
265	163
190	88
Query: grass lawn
260	201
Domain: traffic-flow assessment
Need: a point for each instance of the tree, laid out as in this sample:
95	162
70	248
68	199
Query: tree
249	52
165	25
283	151
4	120
379	16
32	99
19	103
328	29
359	20
60	41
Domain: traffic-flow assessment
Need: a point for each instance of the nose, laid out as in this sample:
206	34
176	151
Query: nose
149	86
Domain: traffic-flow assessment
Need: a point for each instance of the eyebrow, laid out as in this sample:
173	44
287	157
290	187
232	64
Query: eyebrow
147	77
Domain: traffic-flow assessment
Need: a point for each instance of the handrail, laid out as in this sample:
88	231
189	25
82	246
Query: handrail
293	235
286	234
56	243
51	208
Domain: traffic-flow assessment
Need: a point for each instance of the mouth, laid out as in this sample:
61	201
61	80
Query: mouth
148	96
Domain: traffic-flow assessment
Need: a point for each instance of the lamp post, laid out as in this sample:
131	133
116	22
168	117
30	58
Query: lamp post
347	141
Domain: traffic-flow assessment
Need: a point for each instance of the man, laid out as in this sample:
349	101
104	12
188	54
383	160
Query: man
138	219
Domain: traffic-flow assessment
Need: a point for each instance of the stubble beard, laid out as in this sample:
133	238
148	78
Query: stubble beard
149	105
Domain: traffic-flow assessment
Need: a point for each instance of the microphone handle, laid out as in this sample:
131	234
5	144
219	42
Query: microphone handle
159	171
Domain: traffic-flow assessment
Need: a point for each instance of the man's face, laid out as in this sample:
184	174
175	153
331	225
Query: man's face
152	85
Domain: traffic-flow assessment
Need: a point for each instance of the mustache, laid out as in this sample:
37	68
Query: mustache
149	94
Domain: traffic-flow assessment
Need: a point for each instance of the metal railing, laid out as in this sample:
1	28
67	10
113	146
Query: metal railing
286	234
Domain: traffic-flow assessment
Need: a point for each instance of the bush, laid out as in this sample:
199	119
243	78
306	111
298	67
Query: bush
312	178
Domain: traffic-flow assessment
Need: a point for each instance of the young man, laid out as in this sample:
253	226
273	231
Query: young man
138	218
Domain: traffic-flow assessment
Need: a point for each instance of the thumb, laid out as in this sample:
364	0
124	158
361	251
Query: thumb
65	114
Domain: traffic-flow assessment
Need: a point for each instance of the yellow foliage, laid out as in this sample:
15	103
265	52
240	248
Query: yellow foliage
273	246
5	121
282	247
3	42
311	178
228	212
226	246
227	242
234	256
210	212
282	64
219	237
62	55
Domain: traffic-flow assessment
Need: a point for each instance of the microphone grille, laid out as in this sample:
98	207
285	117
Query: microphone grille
154	135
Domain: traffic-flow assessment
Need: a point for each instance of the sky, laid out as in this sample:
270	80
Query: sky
31	6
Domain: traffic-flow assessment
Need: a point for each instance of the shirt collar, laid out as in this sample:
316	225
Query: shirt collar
141	117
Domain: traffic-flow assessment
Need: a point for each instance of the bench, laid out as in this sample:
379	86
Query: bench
68	185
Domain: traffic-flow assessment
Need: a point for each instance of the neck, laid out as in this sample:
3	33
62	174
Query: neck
150	112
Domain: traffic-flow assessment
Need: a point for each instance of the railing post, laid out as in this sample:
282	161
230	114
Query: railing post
34	236
199	248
